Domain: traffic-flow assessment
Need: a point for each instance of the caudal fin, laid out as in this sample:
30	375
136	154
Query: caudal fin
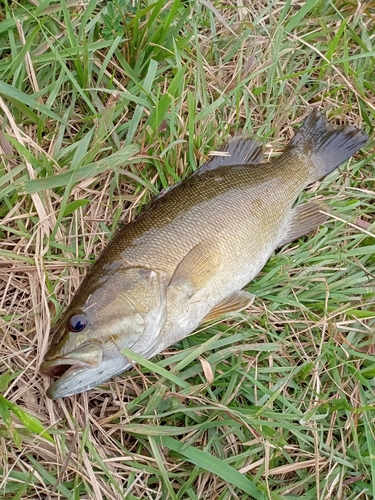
326	145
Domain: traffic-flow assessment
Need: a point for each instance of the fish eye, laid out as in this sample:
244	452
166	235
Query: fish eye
77	322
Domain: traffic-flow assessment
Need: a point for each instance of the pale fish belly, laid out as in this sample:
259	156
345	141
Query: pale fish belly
186	315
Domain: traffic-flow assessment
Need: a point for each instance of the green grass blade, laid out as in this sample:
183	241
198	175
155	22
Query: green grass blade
212	464
302	12
85	171
20	97
154	368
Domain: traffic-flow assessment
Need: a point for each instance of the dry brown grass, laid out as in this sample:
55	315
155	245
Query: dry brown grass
291	403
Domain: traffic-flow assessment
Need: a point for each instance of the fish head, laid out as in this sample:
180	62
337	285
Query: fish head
125	309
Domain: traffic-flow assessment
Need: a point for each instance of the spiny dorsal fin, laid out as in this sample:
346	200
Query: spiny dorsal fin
236	301
238	151
304	218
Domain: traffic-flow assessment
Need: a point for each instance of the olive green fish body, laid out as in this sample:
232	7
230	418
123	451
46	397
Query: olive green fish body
239	231
185	259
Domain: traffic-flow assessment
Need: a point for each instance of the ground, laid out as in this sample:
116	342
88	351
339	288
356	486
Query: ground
103	105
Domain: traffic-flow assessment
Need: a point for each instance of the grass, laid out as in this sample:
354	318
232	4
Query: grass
104	104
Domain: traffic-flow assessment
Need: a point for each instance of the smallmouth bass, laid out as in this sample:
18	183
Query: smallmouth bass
185	260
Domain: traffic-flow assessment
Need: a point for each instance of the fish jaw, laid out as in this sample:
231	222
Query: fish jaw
75	381
82	369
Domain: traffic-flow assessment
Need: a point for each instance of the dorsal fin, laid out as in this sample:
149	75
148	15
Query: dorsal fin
237	151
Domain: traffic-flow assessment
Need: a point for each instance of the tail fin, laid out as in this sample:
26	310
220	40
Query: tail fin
326	145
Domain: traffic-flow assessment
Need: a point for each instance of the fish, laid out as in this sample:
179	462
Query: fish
185	260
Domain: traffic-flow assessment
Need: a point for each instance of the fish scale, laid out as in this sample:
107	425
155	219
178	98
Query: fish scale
186	258
232	198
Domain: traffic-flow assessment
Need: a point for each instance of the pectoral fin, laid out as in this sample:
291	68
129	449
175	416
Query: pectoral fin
304	218
197	267
235	302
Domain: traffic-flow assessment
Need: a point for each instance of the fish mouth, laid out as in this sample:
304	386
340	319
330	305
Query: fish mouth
87	356
56	370
83	368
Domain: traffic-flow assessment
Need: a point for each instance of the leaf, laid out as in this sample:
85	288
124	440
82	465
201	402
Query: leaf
209	463
5	415
154	368
74	205
31	423
368	424
49	478
207	370
4	412
5	379
18	96
303	11
86	171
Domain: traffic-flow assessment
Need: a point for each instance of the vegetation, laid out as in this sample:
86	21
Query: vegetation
103	105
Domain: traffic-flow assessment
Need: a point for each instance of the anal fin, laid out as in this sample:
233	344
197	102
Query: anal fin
235	302
305	218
